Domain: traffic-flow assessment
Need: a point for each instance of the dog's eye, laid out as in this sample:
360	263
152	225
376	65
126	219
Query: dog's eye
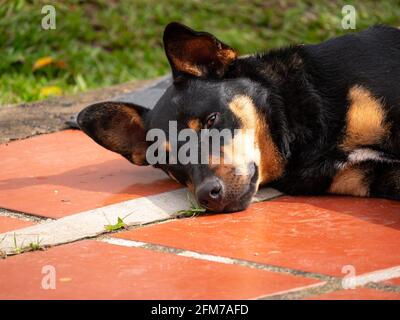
211	120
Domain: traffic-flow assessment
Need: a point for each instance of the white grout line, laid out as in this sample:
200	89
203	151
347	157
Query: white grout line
204	257
180	252
207	257
294	290
124	243
374	276
91	223
352	282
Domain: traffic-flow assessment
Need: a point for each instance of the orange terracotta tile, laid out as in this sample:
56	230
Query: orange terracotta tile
10	224
95	270
317	234
62	173
358	294
395	282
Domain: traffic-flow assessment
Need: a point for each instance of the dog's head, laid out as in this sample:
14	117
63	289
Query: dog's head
209	131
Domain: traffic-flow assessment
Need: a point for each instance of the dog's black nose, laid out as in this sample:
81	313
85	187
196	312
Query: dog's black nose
210	194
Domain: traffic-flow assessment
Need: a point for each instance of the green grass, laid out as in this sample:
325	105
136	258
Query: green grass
117	226
36	246
18	248
194	210
106	42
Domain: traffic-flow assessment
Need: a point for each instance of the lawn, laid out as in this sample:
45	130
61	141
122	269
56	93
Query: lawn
105	42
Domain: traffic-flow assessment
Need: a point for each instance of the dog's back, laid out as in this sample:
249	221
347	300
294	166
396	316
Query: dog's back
370	58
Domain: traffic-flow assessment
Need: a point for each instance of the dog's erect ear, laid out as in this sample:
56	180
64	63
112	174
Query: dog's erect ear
198	54
117	126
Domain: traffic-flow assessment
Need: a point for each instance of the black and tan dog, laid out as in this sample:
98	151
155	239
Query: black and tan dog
326	116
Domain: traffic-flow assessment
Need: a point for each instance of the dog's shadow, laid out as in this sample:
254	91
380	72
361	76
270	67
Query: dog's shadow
113	176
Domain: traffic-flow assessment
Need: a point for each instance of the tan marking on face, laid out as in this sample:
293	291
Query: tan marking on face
267	156
365	120
224	171
194	124
234	181
350	181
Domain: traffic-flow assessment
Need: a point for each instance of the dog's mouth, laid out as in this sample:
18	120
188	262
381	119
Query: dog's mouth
242	202
239	202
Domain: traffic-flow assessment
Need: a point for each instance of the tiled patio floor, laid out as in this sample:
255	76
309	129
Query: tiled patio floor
11	223
95	270
273	249
307	233
59	174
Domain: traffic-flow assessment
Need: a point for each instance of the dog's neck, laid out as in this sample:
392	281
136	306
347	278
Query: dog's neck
295	108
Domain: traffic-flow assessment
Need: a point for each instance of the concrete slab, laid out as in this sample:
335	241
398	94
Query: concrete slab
91	223
148	96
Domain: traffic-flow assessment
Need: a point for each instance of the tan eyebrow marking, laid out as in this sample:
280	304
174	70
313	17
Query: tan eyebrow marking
194	124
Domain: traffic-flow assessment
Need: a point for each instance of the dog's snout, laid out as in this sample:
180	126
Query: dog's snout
210	193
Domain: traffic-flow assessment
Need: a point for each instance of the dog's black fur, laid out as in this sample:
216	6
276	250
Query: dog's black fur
331	114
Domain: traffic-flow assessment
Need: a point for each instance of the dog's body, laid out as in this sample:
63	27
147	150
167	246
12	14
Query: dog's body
326	117
341	102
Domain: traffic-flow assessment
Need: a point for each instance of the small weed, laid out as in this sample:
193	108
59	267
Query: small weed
114	227
194	210
35	246
17	248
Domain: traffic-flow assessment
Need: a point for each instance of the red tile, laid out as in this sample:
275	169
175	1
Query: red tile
95	270
395	281
62	173
317	234
358	294
10	224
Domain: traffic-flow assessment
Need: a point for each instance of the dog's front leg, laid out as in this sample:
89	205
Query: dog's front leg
368	179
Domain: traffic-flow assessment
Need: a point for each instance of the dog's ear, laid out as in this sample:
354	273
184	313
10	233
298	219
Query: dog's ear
118	127
198	54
